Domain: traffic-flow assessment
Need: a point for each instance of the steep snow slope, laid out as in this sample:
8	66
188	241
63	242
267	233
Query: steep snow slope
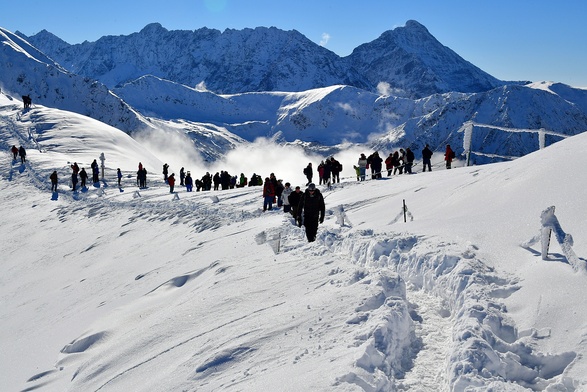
26	71
125	289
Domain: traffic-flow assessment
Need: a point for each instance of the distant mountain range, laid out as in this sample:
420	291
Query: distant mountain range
292	90
407	59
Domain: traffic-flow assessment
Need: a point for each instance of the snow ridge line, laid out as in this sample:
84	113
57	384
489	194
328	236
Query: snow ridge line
486	349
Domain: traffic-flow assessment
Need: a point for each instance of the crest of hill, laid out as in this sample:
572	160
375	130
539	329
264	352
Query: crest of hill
25	70
408	58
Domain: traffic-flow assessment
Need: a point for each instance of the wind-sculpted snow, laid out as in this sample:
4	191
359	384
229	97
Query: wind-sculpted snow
118	288
486	348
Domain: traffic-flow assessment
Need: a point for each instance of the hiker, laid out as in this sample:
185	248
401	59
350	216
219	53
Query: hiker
14	151
426	156
189	182
22	153
409	161
165	171
83	176
313	208
294	200
308	172
181	176
27	101
285	197
119	176
53	178
363	166
268	194
171	182
449	155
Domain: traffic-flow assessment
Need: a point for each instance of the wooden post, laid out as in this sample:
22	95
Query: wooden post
405	211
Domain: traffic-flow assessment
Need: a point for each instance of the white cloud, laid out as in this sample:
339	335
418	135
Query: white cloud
325	39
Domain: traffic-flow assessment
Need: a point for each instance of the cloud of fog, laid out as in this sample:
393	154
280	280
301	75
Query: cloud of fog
262	157
172	147
385	89
325	39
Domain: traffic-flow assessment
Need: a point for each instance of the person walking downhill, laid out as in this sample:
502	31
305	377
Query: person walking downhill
294	200
285	197
119	176
313	209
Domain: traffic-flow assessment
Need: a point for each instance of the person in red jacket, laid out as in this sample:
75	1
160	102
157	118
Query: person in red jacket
14	151
171	182
268	194
449	156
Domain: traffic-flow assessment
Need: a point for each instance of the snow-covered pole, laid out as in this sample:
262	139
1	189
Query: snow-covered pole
468	140
541	138
102	159
546	231
467	129
405	209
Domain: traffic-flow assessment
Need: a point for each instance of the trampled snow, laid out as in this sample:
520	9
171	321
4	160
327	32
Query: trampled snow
111	289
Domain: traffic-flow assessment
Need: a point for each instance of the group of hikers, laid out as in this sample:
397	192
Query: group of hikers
16	152
307	208
328	172
398	162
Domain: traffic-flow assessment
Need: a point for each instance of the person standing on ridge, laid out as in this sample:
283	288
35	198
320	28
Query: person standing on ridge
53	178
313	208
171	182
268	194
426	156
308	172
449	155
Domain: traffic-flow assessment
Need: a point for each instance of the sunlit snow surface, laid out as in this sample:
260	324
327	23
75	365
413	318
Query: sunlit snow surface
112	289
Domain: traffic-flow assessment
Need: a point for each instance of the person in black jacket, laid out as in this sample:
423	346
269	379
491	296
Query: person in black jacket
294	200
409	160
313	209
426	155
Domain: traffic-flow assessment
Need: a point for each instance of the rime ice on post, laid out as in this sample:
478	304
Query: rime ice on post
102	159
467	128
551	224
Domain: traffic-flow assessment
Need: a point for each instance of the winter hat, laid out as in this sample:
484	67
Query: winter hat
312	187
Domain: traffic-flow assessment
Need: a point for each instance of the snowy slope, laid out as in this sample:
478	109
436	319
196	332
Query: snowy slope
26	71
115	289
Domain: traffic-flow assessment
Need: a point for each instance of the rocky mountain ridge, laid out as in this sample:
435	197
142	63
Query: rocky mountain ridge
407	59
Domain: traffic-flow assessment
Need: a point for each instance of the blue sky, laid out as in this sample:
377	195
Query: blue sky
512	40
